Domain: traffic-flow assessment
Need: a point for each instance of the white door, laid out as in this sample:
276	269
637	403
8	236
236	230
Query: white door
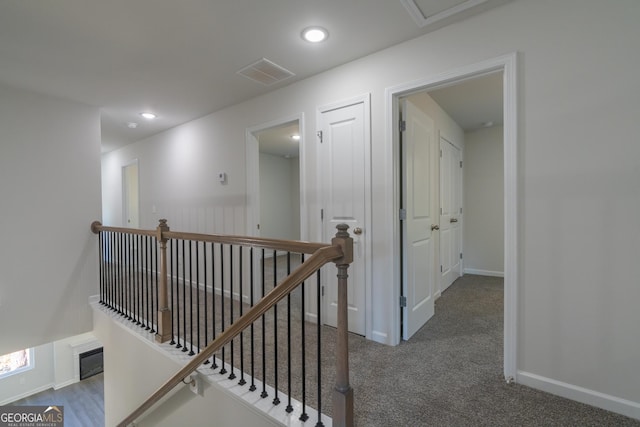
450	213
419	228
343	166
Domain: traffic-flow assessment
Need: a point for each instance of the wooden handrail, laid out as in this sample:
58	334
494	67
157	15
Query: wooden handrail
320	257
256	242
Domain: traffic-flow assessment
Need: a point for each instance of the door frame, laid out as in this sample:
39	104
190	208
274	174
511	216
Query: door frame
444	136
366	100
508	65
252	153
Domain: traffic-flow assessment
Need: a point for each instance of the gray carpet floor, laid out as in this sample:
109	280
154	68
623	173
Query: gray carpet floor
450	372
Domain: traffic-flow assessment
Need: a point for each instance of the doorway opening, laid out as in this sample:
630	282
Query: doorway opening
130	195
505	68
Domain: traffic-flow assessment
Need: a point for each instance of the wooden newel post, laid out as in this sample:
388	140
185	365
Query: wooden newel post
343	393
164	312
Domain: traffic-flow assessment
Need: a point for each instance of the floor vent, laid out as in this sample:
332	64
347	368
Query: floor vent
265	72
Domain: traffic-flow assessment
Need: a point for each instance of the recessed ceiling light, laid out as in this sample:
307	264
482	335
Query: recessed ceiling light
148	116
315	34
295	137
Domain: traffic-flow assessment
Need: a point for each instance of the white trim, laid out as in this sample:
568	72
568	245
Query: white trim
484	272
26	394
581	394
507	64
79	348
368	275
423	21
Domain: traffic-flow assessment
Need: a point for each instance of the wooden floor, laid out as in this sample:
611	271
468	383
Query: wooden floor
83	402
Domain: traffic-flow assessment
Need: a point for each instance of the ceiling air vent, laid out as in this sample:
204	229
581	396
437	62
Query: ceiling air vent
265	72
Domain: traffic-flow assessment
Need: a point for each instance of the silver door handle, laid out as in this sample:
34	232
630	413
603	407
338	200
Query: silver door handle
357	231
453	220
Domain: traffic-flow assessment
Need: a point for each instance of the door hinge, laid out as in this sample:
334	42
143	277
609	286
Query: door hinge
403	301
403	214
460	255
403	125
440	211
321	214
460	163
322	289
440	269
460	210
319	133
440	152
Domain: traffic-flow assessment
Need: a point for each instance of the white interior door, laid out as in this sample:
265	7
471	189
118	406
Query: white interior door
343	173
419	228
450	213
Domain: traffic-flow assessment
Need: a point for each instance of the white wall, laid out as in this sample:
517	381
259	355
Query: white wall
26	383
578	174
134	370
50	194
279	186
483	244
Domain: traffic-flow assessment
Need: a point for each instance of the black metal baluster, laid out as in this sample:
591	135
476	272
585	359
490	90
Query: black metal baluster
223	370
139	280
319	350
121	275
129	278
289	406
264	343
178	345
304	416
232	375
198	294
241	256
145	300
191	353
100	265
172	284
140	284
206	316
184	299
154	286
276	399
214	365
251	297
111	271
143	281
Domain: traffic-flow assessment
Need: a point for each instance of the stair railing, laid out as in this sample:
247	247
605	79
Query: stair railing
129	298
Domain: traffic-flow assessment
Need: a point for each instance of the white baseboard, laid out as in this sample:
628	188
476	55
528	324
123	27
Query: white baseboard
26	394
580	394
484	272
380	337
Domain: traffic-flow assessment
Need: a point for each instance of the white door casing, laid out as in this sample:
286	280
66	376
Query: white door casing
419	228
344	151
450	213
507	64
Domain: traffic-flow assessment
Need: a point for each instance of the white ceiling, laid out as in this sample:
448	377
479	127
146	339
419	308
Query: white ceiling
473	104
179	59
